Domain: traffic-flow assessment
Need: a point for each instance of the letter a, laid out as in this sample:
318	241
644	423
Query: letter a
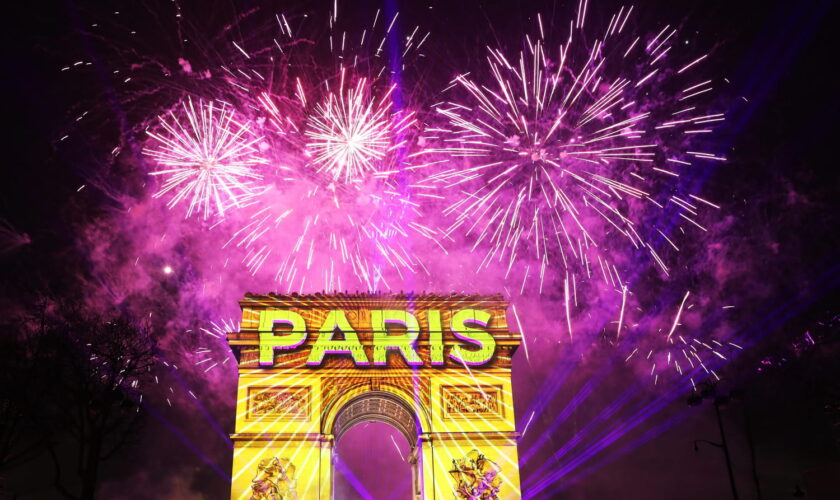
336	320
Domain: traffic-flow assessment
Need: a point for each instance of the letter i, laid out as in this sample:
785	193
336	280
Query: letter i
435	338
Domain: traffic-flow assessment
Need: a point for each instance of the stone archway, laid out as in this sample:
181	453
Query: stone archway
382	406
436	368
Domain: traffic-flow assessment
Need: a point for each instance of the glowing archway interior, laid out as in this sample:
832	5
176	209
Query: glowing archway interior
458	418
382	406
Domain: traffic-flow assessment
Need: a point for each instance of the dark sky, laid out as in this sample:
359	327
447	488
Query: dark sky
783	165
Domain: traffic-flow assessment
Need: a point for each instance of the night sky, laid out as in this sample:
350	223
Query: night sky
79	224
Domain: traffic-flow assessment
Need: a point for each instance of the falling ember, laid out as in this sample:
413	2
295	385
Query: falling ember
682	354
208	157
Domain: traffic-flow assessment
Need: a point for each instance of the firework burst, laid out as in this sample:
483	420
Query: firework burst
359	230
341	137
209	158
350	133
566	150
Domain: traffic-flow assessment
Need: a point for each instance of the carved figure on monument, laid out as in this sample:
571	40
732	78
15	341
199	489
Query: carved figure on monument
275	480
477	478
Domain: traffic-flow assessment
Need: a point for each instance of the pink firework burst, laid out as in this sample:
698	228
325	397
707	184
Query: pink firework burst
340	138
567	149
209	158
351	132
351	221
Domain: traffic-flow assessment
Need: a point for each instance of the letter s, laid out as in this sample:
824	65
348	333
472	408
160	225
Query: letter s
478	336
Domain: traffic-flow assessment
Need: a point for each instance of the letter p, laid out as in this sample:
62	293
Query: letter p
289	339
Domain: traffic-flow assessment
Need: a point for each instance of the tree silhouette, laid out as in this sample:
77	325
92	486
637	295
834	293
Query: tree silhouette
91	370
20	439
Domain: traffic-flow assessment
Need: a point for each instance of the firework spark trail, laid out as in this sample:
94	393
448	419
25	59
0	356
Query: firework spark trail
563	149
218	332
621	314
210	161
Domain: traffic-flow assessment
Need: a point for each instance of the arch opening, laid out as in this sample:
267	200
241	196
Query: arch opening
379	406
371	460
376	437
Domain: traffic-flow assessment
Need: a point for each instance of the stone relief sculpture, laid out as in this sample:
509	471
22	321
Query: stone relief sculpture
476	477
275	480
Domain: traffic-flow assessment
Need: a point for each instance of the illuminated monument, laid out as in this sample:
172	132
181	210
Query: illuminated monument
437	368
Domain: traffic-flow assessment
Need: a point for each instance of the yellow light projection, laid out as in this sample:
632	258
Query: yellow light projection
435	367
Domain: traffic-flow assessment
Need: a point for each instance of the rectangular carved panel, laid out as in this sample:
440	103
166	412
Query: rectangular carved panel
279	403
473	402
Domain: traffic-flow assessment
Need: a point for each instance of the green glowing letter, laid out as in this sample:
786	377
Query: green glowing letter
337	321
478	336
404	343
435	338
269	341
